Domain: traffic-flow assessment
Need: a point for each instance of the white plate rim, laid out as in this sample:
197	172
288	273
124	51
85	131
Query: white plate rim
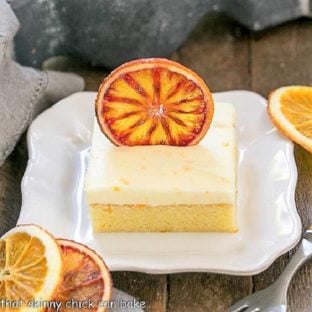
162	270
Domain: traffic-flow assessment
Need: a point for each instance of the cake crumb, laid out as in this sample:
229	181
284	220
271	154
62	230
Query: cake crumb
116	189
109	209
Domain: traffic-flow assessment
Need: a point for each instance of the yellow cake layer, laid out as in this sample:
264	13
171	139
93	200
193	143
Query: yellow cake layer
178	218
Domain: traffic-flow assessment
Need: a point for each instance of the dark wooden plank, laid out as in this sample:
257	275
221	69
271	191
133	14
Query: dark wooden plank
283	56
152	289
304	185
206	292
299	295
219	51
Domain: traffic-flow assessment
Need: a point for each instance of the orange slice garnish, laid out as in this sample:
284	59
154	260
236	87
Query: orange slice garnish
154	101
290	109
30	267
87	284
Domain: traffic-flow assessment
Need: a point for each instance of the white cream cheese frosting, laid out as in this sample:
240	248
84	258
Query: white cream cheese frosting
166	175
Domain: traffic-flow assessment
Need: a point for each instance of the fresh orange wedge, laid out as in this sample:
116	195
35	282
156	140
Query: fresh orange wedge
87	284
30	267
154	101
290	109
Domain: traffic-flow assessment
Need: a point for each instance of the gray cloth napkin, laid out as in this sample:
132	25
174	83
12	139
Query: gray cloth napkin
24	92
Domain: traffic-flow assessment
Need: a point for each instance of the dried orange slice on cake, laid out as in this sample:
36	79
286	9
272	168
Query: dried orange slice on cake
154	101
30	267
290	109
86	284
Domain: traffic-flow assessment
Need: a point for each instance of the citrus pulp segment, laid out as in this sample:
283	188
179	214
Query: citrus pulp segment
290	109
30	266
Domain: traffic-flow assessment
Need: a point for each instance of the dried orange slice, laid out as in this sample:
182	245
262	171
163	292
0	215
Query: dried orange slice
290	109
154	101
30	267
86	284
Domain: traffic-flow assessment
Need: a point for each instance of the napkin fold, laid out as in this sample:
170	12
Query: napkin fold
24	92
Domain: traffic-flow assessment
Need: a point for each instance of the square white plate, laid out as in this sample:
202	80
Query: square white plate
52	189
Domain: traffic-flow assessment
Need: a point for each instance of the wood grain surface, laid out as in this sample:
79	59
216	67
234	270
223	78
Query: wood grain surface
227	57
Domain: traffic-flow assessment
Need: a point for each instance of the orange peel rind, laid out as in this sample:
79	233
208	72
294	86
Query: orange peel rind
290	109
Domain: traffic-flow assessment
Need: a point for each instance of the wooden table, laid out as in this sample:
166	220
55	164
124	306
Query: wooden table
227	57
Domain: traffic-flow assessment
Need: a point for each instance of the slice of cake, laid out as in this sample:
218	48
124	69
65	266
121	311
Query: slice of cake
160	188
162	156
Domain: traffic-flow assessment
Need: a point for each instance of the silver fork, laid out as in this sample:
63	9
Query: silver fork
274	298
